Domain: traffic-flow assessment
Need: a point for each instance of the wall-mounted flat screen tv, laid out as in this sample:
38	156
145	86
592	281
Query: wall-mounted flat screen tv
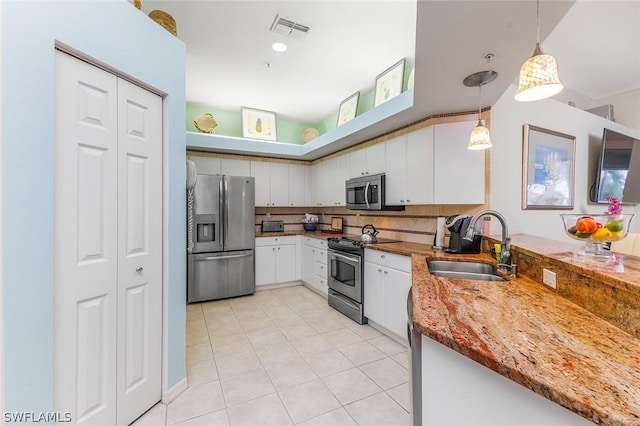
613	166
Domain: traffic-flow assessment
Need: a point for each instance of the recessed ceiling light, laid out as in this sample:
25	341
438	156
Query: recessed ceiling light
279	47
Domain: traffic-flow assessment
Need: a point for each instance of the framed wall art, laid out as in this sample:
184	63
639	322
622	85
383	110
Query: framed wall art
389	83
258	124
548	168
348	108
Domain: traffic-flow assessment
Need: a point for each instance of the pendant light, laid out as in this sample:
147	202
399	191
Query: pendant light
480	138
539	74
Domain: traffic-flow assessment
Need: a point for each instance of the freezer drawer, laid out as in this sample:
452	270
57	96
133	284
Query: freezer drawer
220	275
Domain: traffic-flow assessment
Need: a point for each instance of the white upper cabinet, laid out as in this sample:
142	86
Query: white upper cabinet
329	177
432	165
419	173
396	173
368	161
342	174
206	165
272	183
279	184
458	173
233	167
409	175
299	185
262	175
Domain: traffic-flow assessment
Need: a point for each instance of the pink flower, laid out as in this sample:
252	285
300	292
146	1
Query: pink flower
615	206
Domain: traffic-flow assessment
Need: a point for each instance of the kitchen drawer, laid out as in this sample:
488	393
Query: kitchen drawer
320	243
320	255
390	260
321	284
275	241
320	269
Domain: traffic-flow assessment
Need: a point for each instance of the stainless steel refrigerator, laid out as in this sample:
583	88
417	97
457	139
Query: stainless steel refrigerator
221	233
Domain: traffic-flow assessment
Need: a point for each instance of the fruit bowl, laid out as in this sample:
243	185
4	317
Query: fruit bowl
596	230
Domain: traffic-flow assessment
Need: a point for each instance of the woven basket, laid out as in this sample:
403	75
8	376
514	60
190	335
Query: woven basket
164	19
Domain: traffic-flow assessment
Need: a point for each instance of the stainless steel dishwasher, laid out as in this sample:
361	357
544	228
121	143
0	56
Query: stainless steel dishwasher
415	364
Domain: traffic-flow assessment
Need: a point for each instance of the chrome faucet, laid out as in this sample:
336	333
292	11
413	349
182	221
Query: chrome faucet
505	254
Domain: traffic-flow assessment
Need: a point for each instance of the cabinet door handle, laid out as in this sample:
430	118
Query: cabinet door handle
278	248
402	201
379	270
408	201
139	269
382	256
386	272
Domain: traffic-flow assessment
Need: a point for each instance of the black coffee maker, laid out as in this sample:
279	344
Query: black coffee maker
457	226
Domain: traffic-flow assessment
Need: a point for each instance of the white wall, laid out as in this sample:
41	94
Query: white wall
114	33
1	256
626	108
507	119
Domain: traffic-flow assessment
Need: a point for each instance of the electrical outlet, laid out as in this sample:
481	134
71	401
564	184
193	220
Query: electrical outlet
549	278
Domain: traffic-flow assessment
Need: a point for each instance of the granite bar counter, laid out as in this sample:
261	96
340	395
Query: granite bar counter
536	336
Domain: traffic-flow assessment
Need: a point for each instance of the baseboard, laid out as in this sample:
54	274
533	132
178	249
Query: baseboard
400	339
175	391
315	290
278	285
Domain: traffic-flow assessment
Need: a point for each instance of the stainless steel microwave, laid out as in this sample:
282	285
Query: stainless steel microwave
367	193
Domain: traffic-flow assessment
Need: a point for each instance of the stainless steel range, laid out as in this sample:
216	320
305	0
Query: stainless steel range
346	270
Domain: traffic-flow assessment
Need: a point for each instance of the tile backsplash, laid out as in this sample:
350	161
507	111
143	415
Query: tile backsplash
415	224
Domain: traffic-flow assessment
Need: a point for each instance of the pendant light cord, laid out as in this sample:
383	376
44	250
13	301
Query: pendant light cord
538	21
479	102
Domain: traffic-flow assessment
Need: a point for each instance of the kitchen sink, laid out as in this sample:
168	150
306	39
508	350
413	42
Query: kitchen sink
464	270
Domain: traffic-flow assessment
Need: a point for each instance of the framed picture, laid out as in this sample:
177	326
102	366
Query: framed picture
258	124
548	167
389	83
348	108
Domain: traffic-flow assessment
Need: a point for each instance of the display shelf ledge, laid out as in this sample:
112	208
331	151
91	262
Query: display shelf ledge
370	124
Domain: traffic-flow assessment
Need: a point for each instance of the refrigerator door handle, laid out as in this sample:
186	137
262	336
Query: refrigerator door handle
234	256
226	213
222	215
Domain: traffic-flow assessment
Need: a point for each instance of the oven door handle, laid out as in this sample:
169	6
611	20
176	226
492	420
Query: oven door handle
366	194
348	258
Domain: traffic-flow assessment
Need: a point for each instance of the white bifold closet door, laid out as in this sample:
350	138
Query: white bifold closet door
108	245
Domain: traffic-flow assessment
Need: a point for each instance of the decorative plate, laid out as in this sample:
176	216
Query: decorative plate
309	133
205	123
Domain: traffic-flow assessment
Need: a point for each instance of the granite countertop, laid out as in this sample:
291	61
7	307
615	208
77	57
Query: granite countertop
531	334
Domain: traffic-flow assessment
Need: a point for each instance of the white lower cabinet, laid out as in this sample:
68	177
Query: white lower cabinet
314	264
275	260
449	377
387	280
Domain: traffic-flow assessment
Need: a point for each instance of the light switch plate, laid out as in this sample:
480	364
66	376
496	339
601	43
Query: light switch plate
549	278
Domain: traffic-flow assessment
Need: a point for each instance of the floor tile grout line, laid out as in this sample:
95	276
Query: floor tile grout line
290	341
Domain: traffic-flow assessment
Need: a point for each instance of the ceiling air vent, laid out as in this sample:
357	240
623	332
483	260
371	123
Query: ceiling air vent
289	28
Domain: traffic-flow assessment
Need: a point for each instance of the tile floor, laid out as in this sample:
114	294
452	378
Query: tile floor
284	357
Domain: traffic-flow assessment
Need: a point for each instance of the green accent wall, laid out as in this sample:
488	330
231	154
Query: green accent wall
288	131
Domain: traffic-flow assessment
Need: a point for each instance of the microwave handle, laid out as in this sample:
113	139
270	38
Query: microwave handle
366	194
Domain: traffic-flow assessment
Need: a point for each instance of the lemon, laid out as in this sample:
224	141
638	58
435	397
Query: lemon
617	235
601	234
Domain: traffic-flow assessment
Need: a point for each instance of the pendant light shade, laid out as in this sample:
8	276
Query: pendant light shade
480	138
539	74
